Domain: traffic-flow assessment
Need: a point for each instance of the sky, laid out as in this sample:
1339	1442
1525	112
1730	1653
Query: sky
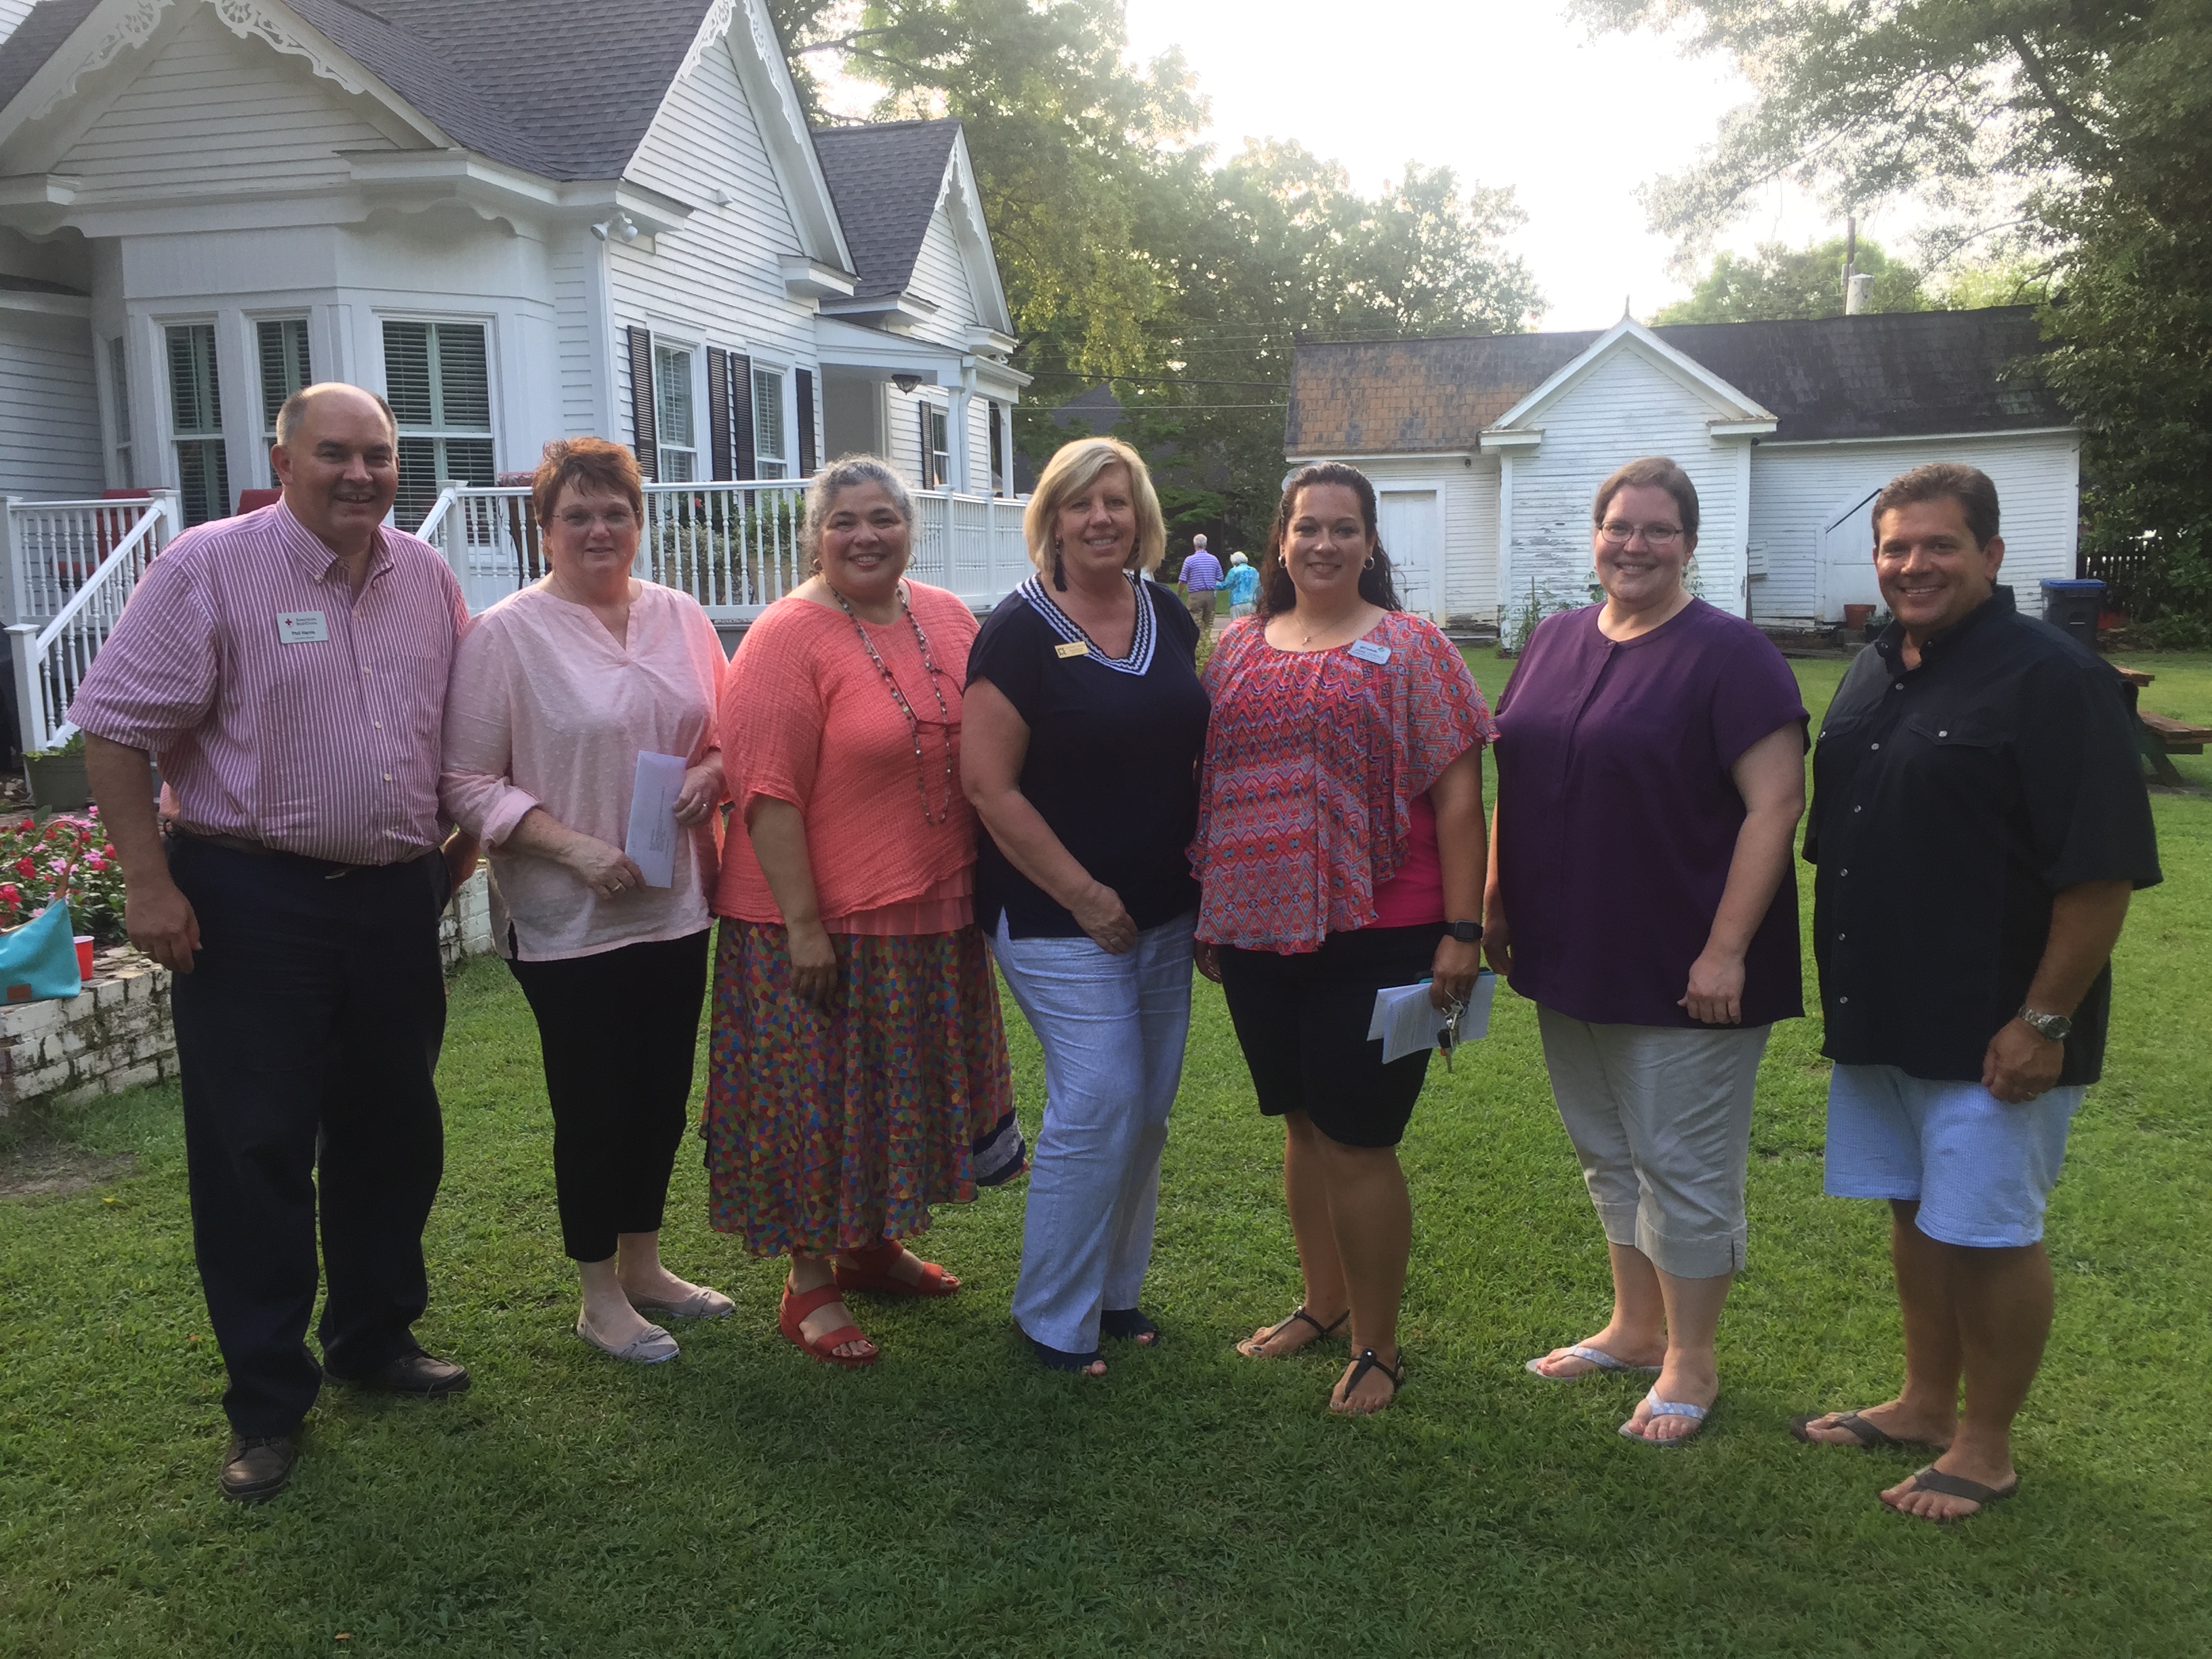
1504	95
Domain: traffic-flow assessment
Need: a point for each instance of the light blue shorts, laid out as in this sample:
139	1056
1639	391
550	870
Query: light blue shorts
1982	1170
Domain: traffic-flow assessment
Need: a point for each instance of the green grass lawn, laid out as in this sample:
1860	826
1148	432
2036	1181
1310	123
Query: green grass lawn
957	1501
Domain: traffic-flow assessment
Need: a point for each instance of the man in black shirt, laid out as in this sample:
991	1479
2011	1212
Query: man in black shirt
1979	821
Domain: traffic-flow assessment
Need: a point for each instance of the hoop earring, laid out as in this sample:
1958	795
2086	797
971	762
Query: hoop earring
1369	565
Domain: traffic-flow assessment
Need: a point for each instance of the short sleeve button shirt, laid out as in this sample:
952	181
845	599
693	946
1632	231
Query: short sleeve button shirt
1951	801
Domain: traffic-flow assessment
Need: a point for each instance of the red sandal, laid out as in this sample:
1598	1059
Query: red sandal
795	1307
872	1271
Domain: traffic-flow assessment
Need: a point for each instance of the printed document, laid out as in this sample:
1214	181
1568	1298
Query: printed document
1407	1022
653	835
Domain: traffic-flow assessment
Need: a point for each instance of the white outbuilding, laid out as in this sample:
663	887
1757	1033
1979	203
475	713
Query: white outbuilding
1486	450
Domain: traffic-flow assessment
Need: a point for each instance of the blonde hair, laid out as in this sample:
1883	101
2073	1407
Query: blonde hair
1075	468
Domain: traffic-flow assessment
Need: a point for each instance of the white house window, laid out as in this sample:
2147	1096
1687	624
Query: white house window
437	378
770	459
936	449
284	370
118	402
676	433
196	402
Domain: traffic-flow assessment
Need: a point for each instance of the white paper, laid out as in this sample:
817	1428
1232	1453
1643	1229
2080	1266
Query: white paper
1407	1022
652	835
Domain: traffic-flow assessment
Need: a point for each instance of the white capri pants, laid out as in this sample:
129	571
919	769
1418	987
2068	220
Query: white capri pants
1660	1118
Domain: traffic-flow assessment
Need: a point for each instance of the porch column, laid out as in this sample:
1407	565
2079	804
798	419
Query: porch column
1005	410
957	445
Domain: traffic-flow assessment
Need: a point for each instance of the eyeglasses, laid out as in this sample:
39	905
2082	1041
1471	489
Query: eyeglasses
614	518
1619	534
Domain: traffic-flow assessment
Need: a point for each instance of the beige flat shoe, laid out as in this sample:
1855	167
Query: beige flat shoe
702	1303
650	1346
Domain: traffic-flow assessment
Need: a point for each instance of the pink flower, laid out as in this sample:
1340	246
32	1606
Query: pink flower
94	862
58	865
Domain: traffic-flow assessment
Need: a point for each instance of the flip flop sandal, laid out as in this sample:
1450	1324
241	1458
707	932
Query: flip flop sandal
1128	1325
1250	1347
1368	1361
1600	1361
1870	1436
1669	1408
1932	1478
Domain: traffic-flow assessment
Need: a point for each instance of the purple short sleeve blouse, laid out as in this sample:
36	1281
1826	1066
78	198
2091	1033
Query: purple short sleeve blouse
1617	818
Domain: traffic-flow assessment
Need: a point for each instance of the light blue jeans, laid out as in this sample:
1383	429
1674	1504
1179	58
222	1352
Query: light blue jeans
1113	1029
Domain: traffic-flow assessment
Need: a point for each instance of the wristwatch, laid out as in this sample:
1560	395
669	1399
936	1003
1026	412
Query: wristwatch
1466	933
2053	1027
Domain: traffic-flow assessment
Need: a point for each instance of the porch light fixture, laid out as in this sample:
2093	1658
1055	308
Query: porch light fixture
906	382
627	230
600	230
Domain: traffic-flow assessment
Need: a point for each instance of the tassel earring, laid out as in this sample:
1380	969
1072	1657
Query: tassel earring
1058	570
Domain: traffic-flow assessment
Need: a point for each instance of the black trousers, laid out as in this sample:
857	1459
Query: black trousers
620	1033
307	1036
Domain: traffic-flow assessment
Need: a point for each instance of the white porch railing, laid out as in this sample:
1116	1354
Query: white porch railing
70	565
733	547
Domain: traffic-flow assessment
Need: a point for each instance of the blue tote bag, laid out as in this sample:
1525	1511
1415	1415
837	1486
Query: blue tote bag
37	961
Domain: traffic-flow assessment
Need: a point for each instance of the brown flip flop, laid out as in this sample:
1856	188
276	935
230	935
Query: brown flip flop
1871	1436
1932	1478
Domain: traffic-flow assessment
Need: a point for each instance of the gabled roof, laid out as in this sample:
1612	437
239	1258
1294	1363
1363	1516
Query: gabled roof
1893	375
1728	401
886	180
561	88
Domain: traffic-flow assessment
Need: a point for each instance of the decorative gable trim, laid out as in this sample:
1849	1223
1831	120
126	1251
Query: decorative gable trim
1628	335
132	27
766	79
248	19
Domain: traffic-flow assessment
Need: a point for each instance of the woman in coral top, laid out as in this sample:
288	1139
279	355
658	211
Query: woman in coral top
857	1051
1341	847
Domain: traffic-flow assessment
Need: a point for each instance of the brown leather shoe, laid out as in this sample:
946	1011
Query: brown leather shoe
423	1374
258	1466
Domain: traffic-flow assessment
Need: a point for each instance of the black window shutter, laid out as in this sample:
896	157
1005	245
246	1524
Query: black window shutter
641	404
928	455
718	409
809	458
741	414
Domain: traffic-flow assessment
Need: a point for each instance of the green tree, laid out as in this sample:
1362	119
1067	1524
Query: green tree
2095	116
1779	282
1131	257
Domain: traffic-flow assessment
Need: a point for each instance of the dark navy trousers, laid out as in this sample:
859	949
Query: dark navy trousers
307	1037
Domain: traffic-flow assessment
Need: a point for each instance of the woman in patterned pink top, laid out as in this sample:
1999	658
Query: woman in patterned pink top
1340	845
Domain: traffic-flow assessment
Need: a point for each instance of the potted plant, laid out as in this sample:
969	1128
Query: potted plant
57	776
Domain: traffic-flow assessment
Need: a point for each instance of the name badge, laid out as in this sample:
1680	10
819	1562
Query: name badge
1072	649
302	627
1368	651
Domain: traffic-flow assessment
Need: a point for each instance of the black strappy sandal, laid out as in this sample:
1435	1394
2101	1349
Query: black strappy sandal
1129	1325
1370	1361
1249	1348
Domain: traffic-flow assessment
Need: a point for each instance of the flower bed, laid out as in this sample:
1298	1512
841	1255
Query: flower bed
33	856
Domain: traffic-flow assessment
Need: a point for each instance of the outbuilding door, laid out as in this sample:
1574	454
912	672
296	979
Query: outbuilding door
1847	559
1414	540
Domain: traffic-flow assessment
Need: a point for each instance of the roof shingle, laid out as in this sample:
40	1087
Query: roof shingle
883	179
1901	373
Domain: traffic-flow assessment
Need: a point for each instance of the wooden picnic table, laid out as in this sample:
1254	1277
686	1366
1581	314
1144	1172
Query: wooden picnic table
2162	736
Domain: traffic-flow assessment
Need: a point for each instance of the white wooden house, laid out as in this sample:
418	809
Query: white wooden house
518	219
1487	451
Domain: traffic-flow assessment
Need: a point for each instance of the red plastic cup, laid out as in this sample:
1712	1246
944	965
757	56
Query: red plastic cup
83	955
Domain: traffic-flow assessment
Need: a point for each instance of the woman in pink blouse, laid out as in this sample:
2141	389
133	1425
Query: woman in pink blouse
1342	850
557	691
859	1072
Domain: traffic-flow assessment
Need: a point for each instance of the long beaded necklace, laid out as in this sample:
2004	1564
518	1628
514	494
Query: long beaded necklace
913	723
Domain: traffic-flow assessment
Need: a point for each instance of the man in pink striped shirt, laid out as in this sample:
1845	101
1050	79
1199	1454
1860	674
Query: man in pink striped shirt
286	670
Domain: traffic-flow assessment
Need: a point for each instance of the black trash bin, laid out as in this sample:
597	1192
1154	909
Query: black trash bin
2074	606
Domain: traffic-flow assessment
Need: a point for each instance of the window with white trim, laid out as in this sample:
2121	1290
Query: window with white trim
119	404
282	344
437	378
195	416
771	459
936	447
676	433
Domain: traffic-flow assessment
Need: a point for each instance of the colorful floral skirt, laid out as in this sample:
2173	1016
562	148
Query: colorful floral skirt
831	1129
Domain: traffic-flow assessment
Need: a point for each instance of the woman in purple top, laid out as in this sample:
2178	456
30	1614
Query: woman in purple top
1650	775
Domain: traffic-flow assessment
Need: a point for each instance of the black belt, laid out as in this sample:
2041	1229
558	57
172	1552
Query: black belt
329	869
